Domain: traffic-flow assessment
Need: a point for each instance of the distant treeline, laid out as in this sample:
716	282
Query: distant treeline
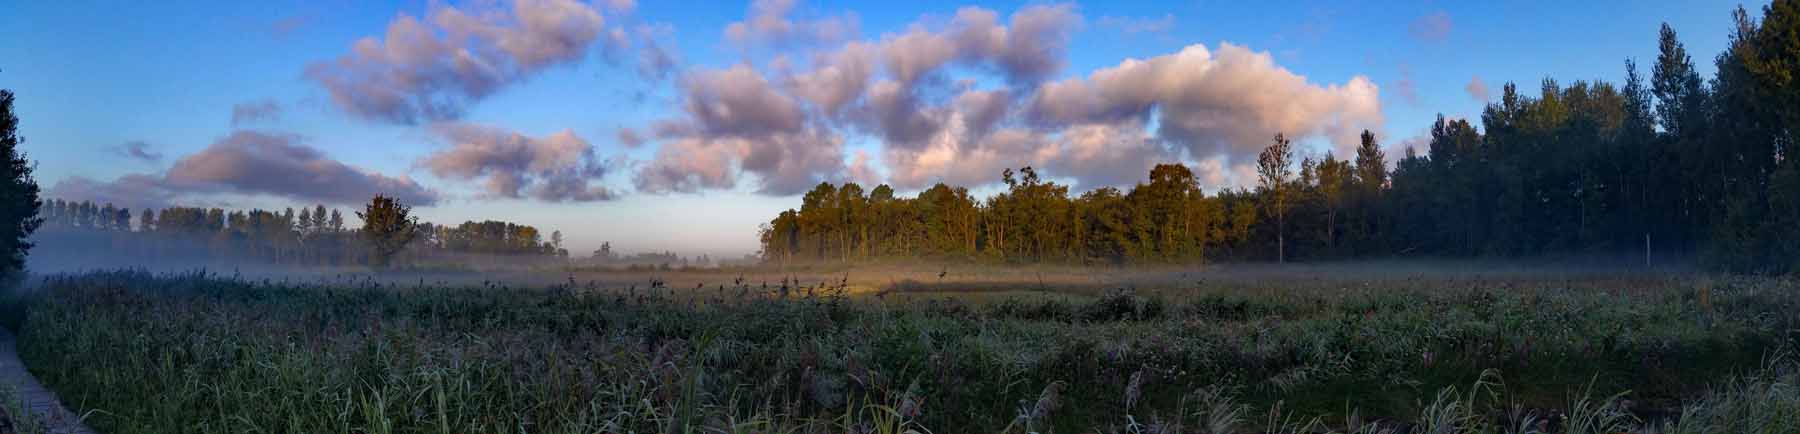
1676	168
314	236
606	257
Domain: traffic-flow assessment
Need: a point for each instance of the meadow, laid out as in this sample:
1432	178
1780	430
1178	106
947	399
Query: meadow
939	350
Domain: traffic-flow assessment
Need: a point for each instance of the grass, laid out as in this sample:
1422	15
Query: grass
201	353
15	418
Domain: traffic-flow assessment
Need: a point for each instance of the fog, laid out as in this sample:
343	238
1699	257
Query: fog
79	251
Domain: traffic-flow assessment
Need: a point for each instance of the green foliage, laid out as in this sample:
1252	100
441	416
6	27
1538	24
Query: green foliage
18	195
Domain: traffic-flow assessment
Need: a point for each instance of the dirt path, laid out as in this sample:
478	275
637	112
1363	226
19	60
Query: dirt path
38	400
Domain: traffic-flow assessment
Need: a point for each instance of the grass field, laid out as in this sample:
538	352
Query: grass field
838	350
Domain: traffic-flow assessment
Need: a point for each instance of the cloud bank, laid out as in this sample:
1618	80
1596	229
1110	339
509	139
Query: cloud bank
959	100
248	163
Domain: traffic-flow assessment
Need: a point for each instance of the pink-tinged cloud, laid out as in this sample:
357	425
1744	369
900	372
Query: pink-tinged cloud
960	100
1230	103
250	163
1477	89
768	24
560	167
430	69
1434	27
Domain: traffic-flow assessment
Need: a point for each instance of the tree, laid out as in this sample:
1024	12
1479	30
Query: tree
1676	84
318	218
1272	166
19	201
147	220
1371	180
303	224
1773	57
1334	179
1371	165
388	227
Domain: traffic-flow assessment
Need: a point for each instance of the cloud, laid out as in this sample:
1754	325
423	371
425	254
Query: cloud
1419	142
1477	89
1222	175
654	62
1035	42
1226	103
789	131
1092	155
249	163
736	121
959	100
1108	154
428	70
136	191
651	61
861	171
1136	25
630	138
137	150
285	27
1026	51
738	101
1405	88
687	165
1434	27
621	6
768	25
785	162
838	79
560	167
255	111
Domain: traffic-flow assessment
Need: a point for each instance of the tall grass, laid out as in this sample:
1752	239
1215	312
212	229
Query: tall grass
16	417
200	353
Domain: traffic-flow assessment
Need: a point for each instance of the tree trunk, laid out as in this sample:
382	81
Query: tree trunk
1281	240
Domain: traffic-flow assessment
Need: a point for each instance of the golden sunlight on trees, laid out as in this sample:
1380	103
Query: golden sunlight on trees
387	227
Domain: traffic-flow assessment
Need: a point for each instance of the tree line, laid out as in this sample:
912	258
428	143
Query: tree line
1672	168
312	236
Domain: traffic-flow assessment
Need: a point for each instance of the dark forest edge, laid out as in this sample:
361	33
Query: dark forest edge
1672	170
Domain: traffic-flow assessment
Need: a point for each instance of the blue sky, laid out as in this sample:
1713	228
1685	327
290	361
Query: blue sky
93	76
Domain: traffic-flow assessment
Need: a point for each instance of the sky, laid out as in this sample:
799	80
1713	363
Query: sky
683	126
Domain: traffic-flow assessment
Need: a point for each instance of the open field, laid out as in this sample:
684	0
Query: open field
1429	349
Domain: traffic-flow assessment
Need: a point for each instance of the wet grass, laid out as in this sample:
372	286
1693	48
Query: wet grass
1510	353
